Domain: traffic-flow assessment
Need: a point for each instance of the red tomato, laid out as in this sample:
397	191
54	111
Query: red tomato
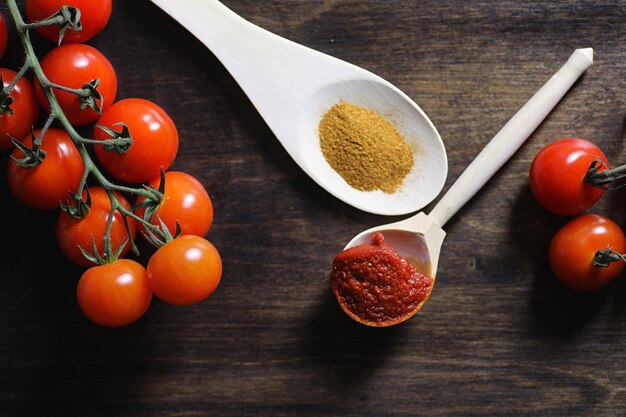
25	110
557	176
72	66
94	15
3	34
185	201
73	233
114	294
155	140
573	248
46	185
185	270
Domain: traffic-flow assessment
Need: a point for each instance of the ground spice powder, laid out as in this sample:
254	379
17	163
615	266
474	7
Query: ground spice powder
364	148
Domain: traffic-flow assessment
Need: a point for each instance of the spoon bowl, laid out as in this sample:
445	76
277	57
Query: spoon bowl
420	237
292	86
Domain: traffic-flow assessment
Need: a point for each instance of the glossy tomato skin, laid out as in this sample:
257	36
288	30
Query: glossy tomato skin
4	35
25	110
114	294
185	201
94	15
73	233
185	270
557	176
573	247
72	66
48	184
155	140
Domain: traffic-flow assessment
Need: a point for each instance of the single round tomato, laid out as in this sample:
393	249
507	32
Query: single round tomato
114	294
94	15
47	184
557	176
25	110
72	66
185	201
73	233
4	35
574	246
155	140
185	270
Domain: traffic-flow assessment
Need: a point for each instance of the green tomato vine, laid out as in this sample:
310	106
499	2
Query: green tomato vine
69	18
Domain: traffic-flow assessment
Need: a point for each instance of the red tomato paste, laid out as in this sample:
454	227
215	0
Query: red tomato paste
376	286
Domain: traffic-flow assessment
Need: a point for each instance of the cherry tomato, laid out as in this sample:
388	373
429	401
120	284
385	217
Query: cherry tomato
185	201
4	36
114	294
573	248
185	270
557	176
25	110
73	233
94	15
155	140
72	66
46	185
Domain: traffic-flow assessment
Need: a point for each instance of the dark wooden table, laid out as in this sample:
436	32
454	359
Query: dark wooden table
499	336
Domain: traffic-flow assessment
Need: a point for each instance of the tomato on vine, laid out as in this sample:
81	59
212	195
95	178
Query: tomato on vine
135	141
558	176
58	171
73	67
73	234
185	270
94	15
17	121
185	201
585	254
114	294
155	140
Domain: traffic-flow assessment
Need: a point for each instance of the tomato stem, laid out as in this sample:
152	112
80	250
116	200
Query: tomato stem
49	21
25	67
39	139
604	179
108	248
67	17
80	92
603	258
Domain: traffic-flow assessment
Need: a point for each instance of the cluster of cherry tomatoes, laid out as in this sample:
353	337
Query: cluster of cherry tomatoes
568	177
185	268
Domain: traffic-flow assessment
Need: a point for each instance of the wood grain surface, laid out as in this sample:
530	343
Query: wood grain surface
499	336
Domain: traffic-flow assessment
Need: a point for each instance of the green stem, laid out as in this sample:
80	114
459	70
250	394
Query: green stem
108	247
25	67
606	179
44	129
80	92
156	229
603	258
104	142
86	172
57	20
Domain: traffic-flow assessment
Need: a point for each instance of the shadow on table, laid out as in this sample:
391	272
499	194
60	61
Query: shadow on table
345	352
555	312
54	361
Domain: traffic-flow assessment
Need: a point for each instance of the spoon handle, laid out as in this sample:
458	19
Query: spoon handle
511	136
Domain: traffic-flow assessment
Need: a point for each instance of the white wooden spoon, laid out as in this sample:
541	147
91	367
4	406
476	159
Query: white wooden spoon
292	86
419	238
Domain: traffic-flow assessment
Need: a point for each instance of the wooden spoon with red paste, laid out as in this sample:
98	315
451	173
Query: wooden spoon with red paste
376	286
373	281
